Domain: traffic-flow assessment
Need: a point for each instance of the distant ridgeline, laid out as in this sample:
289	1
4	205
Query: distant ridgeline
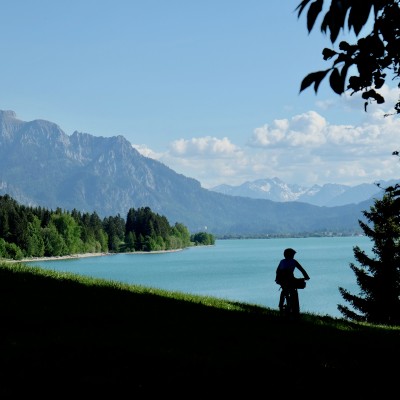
43	166
40	232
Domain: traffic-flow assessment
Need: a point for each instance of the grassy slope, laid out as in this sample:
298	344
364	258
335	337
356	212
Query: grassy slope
61	334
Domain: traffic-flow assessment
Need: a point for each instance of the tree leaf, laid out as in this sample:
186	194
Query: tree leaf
358	16
313	78
301	7
313	12
328	53
325	23
379	98
334	18
336	81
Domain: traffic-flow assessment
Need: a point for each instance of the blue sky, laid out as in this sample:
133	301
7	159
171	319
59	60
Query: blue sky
210	88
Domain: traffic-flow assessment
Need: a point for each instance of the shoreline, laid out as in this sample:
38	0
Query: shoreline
55	258
86	255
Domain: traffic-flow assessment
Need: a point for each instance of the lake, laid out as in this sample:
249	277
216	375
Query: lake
235	269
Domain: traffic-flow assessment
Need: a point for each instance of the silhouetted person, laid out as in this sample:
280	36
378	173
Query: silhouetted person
286	279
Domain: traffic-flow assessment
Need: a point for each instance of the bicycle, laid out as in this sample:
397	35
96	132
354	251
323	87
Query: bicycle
289	304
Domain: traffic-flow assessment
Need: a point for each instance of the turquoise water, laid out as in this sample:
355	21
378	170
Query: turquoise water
238	270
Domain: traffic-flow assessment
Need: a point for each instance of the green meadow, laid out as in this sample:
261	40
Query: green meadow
64	335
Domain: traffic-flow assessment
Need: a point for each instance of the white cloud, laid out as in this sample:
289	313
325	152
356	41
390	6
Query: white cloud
326	104
305	149
203	146
304	129
146	151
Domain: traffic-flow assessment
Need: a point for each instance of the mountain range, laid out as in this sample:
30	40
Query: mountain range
40	165
328	195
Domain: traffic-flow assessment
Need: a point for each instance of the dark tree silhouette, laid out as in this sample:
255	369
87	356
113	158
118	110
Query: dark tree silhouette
374	56
379	276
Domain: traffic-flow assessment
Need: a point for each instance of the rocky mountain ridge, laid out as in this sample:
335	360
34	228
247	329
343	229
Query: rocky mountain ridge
42	166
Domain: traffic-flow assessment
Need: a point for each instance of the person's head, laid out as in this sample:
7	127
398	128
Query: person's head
289	253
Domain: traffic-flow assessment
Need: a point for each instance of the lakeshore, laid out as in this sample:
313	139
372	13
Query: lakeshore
85	255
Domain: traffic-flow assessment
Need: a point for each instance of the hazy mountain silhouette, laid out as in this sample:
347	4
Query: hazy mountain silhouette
329	195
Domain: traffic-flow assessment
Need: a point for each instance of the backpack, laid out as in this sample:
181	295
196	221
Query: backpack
281	276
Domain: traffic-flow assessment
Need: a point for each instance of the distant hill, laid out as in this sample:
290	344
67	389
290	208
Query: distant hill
329	195
40	165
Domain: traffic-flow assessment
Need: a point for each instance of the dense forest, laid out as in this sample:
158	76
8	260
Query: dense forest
39	232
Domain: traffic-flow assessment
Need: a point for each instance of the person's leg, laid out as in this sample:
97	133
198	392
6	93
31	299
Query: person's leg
295	302
281	299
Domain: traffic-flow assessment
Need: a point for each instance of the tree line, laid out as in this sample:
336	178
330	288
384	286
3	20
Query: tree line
27	231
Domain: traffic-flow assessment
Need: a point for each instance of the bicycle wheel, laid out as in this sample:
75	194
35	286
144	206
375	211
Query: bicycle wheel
290	303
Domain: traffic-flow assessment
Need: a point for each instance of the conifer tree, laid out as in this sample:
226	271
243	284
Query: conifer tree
379	276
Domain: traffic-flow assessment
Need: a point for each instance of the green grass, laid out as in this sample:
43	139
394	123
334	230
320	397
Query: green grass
64	335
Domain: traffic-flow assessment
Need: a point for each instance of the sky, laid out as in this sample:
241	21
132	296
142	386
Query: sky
209	88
